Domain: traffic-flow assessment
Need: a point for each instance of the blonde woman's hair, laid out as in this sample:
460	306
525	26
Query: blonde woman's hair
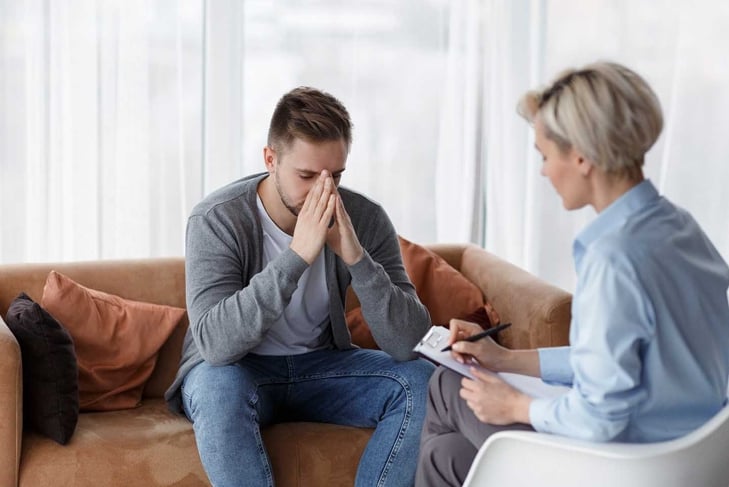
606	111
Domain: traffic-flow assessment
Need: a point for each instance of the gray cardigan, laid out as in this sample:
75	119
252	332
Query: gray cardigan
232	301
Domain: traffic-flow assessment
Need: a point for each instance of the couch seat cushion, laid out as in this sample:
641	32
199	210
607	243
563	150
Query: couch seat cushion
147	446
151	446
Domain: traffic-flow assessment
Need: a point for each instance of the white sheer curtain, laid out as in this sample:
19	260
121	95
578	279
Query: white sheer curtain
100	127
385	61
118	116
459	192
679	47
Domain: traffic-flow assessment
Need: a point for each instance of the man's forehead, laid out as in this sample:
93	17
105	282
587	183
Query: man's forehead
313	157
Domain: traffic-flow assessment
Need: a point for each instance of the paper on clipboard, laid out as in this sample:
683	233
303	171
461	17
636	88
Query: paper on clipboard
431	345
437	338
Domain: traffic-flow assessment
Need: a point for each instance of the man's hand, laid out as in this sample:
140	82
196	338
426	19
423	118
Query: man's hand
313	220
341	238
493	401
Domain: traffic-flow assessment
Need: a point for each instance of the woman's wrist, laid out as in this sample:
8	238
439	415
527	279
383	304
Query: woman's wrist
525	362
520	409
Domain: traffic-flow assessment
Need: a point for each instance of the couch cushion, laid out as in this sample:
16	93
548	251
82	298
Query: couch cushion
153	447
146	446
304	454
116	340
50	371
442	289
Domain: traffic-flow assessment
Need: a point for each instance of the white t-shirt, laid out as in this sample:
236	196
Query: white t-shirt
304	324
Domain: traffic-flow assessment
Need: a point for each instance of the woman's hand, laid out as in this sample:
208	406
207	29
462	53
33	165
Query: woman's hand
493	401
486	351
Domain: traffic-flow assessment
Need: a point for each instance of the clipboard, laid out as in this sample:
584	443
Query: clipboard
430	346
436	338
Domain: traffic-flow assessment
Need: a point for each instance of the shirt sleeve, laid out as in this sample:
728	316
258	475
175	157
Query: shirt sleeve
390	304
554	365
613	319
219	302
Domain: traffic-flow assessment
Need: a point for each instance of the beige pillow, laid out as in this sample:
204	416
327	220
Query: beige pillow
116	340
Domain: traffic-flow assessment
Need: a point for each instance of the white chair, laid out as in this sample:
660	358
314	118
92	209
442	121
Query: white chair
519	458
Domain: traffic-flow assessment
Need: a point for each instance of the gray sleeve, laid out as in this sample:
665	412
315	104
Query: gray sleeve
229	316
395	315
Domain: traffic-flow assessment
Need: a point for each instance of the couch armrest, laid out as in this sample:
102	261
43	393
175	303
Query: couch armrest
540	313
11	406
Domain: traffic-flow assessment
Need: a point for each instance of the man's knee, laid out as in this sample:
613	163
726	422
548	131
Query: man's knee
419	372
415	376
217	391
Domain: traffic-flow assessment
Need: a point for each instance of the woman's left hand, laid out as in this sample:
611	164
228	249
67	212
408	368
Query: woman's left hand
494	401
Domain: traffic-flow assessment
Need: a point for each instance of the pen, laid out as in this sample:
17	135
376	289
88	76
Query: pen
478	336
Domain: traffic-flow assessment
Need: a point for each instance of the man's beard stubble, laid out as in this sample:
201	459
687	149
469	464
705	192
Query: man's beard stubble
284	199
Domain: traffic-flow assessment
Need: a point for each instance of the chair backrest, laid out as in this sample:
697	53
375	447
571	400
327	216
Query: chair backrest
700	458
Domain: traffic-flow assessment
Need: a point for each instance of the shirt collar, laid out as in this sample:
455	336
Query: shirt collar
612	217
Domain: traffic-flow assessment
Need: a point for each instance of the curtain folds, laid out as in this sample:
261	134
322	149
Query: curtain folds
459	191
117	117
676	46
100	128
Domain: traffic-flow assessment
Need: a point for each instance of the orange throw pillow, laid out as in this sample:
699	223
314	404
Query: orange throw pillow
442	289
116	340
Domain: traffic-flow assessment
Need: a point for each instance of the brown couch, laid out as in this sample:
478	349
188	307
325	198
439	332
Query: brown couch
149	446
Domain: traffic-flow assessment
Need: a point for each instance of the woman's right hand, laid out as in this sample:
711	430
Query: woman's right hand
487	352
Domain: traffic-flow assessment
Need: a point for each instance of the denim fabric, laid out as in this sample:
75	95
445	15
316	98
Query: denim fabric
229	405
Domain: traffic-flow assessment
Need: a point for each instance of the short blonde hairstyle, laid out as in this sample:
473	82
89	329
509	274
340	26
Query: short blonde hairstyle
606	111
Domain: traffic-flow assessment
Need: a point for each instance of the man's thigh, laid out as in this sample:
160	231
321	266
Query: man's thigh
251	383
354	387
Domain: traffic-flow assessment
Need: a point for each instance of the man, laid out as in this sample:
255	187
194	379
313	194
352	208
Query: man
268	262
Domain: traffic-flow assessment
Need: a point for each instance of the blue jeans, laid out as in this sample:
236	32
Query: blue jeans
229	405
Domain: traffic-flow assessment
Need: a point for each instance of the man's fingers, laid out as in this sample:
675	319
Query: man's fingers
314	195
325	196
328	216
342	214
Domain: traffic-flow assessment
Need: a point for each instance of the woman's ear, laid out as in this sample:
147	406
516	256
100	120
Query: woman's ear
584	165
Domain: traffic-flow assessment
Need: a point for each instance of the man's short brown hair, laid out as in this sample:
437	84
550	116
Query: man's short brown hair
311	115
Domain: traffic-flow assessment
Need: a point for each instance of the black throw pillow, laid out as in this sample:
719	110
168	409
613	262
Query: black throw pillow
50	370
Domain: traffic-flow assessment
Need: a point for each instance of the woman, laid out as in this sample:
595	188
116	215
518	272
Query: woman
649	338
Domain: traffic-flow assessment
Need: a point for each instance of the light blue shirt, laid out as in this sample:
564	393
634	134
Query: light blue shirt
649	354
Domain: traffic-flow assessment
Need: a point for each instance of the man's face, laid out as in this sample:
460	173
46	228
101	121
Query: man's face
295	170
